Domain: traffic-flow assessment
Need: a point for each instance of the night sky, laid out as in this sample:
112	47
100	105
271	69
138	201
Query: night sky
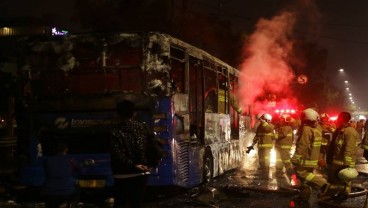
342	30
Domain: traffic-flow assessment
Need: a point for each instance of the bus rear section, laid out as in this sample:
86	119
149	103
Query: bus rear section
71	86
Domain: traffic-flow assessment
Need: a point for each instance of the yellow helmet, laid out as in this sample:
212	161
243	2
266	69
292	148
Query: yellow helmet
348	174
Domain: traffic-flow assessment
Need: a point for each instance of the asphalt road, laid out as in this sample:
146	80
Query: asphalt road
245	187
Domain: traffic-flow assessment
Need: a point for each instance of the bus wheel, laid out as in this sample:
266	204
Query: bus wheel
207	167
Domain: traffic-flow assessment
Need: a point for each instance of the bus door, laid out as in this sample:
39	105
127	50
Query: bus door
196	122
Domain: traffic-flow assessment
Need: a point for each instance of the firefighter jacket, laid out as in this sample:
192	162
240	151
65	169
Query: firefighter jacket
307	147
264	135
364	144
344	146
284	137
327	132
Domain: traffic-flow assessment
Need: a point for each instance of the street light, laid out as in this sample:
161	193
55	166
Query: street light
346	81
341	70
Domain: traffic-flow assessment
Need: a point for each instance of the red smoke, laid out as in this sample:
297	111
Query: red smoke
265	72
265	69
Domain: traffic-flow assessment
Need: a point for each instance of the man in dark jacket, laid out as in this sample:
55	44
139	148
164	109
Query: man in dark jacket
128	157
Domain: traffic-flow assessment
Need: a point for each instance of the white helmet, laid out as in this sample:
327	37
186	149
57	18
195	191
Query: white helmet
267	117
348	174
309	114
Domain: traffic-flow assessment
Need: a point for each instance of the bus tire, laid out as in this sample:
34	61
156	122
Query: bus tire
207	166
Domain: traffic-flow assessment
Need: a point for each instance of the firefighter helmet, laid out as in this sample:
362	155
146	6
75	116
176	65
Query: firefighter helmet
267	117
309	114
348	174
285	117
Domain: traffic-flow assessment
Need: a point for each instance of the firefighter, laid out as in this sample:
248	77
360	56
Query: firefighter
306	156
342	155
284	139
327	129
264	139
360	128
364	144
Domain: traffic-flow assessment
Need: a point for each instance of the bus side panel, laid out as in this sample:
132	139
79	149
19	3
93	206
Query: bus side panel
196	155
217	137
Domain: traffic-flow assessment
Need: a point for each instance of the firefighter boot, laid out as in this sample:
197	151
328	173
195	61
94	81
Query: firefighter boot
342	195
326	191
334	192
302	200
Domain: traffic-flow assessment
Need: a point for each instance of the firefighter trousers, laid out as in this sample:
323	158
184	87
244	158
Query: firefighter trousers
337	185
264	157
309	181
282	159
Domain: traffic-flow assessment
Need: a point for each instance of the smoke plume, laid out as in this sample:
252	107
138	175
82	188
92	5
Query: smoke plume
265	71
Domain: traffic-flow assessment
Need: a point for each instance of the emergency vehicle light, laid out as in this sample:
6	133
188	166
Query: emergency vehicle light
333	118
292	111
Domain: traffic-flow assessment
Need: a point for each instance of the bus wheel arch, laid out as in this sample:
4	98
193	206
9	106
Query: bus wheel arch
207	166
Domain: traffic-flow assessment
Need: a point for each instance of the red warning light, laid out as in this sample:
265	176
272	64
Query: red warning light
292	204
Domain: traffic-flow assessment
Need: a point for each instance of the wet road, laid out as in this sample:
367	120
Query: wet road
248	187
245	187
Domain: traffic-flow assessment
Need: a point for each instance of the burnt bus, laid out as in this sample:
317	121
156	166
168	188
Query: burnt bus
71	84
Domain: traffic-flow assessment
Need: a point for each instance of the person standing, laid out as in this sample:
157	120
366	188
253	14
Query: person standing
284	140
327	129
342	154
360	128
364	144
128	157
263	139
306	156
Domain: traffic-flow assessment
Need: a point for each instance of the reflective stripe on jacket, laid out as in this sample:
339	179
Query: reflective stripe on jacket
308	147
284	137
264	135
345	146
